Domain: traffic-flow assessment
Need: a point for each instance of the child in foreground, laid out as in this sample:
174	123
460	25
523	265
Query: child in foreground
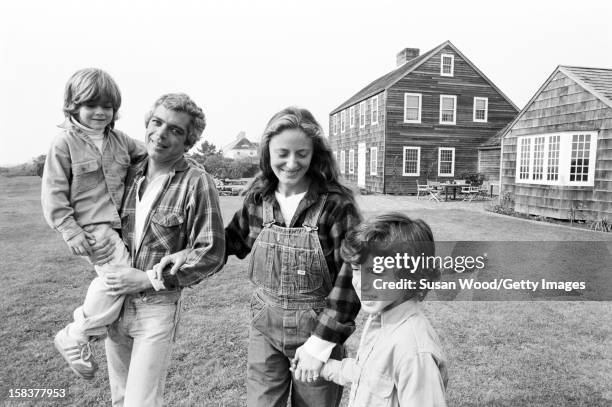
399	361
82	188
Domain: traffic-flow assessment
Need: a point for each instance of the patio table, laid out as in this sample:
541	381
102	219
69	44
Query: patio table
454	187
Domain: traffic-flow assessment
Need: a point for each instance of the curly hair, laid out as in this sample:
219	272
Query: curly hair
323	168
388	234
91	85
181	102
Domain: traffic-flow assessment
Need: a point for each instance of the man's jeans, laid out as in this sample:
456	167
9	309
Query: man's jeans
138	348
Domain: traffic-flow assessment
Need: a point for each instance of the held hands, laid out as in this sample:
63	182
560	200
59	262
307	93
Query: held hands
80	245
176	259
305	367
102	250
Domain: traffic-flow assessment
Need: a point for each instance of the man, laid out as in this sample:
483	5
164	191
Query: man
169	205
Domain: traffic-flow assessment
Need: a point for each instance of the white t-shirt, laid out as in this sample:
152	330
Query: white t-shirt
288	205
143	205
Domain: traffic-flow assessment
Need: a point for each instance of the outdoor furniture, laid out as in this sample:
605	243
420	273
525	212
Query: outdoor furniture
450	186
434	190
469	193
422	189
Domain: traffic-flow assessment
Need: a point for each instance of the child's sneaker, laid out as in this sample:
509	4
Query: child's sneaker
78	355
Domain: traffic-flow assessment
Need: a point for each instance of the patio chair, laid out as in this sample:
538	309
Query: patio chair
469	193
422	189
435	190
484	191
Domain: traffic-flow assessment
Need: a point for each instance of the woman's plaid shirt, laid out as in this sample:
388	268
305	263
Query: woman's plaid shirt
337	321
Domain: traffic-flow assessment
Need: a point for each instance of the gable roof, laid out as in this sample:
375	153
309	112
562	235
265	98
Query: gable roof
597	81
241	143
388	80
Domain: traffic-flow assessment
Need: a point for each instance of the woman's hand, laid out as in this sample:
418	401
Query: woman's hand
176	259
307	368
126	280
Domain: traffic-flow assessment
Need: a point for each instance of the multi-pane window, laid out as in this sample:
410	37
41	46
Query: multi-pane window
342	162
335	124
552	172
351	161
412	161
446	162
412	107
566	158
481	107
343	121
538	158
447	65
362	114
374	119
448	109
579	164
373	160
352	117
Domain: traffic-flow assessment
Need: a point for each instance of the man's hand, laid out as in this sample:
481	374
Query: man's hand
79	246
306	368
126	280
102	250
176	259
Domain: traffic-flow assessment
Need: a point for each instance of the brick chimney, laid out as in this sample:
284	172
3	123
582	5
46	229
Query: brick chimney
406	55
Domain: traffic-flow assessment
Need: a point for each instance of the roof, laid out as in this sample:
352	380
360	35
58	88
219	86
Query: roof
597	81
241	143
495	140
386	81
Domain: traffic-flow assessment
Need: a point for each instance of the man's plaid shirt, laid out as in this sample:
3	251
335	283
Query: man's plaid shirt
186	214
337	321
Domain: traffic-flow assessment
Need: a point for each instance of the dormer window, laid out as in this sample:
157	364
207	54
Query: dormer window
447	65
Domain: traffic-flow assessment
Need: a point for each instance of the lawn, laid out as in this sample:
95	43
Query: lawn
501	353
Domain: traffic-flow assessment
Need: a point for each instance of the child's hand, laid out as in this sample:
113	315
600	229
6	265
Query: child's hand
79	245
308	367
177	259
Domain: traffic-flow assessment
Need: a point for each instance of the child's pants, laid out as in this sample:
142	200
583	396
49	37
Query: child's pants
100	307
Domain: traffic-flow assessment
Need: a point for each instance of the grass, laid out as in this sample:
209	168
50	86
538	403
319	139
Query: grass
544	353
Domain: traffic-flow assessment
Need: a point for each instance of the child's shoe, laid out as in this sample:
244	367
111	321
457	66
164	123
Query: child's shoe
78	355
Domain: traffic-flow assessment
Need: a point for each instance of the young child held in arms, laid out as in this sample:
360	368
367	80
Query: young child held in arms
82	188
399	361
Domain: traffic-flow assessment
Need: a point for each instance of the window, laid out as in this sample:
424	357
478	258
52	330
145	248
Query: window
566	158
352	117
448	109
342	162
412	161
481	107
373	160
335	124
343	121
351	161
412	107
447	65
362	114
446	162
374	110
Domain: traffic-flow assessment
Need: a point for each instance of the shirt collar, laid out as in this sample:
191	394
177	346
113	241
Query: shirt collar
392	318
179	166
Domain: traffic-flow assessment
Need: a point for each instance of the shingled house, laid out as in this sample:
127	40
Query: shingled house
557	153
242	149
423	120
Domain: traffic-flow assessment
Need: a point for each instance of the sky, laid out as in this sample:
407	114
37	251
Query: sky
242	61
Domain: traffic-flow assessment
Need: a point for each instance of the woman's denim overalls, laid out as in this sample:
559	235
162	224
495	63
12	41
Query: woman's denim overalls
292	282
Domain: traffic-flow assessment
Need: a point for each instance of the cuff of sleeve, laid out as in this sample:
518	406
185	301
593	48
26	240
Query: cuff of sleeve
69	229
157	284
318	348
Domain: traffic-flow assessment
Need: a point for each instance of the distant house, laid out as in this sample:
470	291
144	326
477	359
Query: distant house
423	120
557	153
242	148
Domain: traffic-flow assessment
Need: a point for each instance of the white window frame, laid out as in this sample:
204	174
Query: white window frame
420	96
418	166
452	173
563	161
342	162
343	121
452	65
362	114
351	163
373	160
374	112
486	110
335	124
352	117
454	97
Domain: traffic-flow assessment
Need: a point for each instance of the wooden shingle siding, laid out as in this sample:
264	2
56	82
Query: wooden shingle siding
465	136
563	105
488	163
